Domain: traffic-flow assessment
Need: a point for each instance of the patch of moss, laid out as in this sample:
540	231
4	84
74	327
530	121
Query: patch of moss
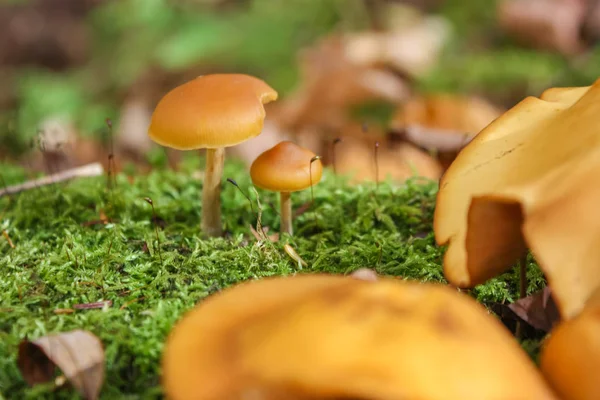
60	261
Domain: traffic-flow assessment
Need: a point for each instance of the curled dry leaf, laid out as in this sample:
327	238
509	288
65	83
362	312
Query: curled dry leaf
529	179
570	358
547	24
78	354
330	336
537	310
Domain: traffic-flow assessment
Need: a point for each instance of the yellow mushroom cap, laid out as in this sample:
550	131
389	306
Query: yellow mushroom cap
326	336
570	358
211	111
286	167
530	179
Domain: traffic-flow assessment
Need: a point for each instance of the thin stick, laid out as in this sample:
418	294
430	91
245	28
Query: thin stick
522	290
88	170
234	183
377	165
286	213
312	160
211	192
335	143
111	180
149	201
523	276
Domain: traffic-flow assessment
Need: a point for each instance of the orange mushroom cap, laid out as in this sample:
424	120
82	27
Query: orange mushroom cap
286	167
211	111
530	179
323	336
570	358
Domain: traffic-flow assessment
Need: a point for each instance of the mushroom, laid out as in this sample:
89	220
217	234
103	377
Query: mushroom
570	358
443	123
211	112
529	179
286	168
331	336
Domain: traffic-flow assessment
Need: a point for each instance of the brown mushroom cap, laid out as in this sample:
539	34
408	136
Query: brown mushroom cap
529	179
443	122
570	358
211	111
286	167
325	336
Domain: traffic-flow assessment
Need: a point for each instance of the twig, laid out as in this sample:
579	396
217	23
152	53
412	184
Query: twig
88	170
10	243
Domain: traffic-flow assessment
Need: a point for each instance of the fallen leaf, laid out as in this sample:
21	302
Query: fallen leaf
273	238
411	49
78	354
538	310
545	24
89	306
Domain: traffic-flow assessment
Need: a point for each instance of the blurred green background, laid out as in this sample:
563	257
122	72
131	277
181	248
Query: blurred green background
103	51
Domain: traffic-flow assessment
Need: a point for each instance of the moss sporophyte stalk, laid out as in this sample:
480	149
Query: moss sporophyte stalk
63	256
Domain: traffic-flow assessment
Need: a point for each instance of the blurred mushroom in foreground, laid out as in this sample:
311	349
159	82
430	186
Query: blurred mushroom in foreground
211	112
529	179
326	336
570	358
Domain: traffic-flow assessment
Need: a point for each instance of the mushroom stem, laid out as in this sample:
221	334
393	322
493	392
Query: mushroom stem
286	213
211	192
523	276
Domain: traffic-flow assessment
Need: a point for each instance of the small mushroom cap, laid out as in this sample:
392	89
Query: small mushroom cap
570	358
286	167
529	179
211	111
327	336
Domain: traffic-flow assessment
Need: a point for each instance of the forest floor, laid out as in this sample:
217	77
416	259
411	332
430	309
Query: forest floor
82	243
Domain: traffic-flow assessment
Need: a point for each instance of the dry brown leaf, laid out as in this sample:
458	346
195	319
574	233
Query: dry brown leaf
411	49
537	310
546	24
356	158
265	236
78	354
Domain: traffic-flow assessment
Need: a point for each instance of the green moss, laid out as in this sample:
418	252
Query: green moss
59	261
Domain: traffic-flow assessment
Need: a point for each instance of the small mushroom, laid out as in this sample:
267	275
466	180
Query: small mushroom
286	168
331	336
570	358
529	179
211	112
